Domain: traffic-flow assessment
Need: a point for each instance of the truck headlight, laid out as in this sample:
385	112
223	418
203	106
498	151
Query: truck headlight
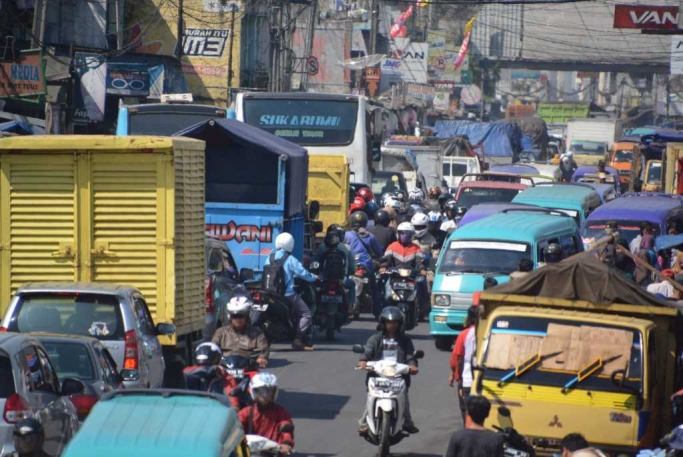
442	300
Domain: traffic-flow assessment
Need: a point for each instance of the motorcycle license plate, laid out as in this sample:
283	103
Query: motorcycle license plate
331	298
236	372
403	285
386	384
259	307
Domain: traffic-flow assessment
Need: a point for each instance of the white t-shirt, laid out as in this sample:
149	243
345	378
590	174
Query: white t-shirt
470	348
448	227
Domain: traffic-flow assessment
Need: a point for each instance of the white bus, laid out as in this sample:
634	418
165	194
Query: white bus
322	123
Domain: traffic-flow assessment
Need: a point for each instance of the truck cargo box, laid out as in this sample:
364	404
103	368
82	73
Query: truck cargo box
328	183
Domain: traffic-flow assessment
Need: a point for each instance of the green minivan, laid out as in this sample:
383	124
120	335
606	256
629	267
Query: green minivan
577	200
160	423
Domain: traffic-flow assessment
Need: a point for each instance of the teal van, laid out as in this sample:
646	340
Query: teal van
577	200
160	423
491	247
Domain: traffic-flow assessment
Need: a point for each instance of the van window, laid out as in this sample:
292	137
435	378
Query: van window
71	360
619	348
95	315
484	256
569	244
145	324
628	229
7	388
470	196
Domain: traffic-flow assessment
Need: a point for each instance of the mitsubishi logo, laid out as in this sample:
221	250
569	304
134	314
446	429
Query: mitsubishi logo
555	422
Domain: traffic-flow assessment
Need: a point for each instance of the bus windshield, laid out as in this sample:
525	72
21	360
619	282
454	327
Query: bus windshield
566	348
304	122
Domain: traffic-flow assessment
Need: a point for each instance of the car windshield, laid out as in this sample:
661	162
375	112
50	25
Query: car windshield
387	182
454	169
71	360
628	230
470	196
473	256
654	173
6	377
623	155
95	315
565	347
593	148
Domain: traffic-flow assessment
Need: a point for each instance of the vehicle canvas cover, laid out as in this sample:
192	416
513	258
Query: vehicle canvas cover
580	277
499	139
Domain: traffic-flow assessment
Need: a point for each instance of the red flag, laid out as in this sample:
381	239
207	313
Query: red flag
398	30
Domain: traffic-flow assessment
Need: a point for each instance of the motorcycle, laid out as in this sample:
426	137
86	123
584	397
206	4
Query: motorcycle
386	401
402	292
514	444
261	446
242	369
332	299
272	313
363	302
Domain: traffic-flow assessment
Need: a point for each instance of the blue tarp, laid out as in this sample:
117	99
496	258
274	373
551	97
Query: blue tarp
668	241
499	139
20	128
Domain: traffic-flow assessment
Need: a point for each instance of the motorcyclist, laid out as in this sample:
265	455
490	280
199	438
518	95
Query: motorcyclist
567	166
391	328
284	245
28	437
416	196
239	337
433	202
434	227
265	417
364	247
404	212
552	253
404	253
384	233
423	238
370	206
207	374
451	212
329	264
358	204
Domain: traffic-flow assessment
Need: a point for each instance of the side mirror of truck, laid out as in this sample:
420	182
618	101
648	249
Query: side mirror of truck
318	227
246	274
165	329
313	209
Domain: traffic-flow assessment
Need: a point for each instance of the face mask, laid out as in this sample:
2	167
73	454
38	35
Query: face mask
405	238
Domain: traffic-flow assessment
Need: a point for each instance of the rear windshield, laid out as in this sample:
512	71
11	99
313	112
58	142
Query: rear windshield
6	377
470	196
94	315
566	348
71	360
623	155
388	182
628	229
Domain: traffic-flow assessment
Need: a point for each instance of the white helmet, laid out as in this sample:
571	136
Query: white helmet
416	195
405	227
393	203
239	305
420	223
570	154
285	241
263	383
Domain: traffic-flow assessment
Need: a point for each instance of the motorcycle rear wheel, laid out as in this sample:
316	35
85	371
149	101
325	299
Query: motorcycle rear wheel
385	435
330	328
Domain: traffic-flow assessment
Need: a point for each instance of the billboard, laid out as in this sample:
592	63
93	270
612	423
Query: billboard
646	17
414	57
23	77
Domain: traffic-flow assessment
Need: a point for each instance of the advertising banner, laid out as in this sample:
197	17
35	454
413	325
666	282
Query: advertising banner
92	73
646	17
128	79
22	78
414	58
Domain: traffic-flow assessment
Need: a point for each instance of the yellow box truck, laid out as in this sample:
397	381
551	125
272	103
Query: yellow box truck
328	183
125	210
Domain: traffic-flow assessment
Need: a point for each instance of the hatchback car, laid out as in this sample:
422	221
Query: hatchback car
30	387
222	283
86	359
116	315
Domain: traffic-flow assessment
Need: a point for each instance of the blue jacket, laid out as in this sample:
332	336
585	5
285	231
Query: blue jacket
363	250
293	269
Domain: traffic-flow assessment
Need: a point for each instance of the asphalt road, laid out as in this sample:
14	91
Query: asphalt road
326	396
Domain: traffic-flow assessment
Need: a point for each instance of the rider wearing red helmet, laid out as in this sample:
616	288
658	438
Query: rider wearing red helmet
370	206
357	205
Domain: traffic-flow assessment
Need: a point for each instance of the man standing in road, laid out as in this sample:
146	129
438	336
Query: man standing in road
461	358
474	440
572	443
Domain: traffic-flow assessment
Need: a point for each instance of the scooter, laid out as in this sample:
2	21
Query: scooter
386	401
514	444
363	302
332	299
261	446
242	369
401	292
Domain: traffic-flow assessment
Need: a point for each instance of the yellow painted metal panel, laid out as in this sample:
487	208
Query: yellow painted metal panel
328	183
671	178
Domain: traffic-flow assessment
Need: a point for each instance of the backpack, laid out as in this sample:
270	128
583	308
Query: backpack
334	265
274	275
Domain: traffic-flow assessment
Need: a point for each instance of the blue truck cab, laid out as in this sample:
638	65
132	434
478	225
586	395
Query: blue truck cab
255	189
491	247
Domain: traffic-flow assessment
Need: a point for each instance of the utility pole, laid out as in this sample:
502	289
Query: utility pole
374	26
310	34
275	12
180	30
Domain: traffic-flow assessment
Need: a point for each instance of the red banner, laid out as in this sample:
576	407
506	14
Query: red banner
646	17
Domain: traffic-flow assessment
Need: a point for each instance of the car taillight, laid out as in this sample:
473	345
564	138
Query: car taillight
256	296
331	292
130	361
83	404
16	409
210	305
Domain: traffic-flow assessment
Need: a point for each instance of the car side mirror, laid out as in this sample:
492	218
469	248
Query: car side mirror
72	386
376	154
313	209
246	274
419	354
130	375
165	329
358	349
318	227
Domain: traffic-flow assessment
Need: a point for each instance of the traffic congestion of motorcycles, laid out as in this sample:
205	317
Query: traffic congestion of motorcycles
146	296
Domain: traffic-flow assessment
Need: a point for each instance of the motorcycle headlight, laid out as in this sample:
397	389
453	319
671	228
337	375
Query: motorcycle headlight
404	272
389	372
442	300
395	297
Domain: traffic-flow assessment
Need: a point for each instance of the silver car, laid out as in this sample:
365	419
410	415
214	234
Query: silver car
29	387
116	315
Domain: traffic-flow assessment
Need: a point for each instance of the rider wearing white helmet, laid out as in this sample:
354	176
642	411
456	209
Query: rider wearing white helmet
416	196
284	246
239	337
265	417
567	165
423	238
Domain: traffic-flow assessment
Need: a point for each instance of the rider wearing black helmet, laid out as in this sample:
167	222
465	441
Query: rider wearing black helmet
28	437
336	261
391	337
450	210
384	234
552	253
365	249
207	374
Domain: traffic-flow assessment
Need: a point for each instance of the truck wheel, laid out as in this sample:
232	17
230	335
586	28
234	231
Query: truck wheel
443	343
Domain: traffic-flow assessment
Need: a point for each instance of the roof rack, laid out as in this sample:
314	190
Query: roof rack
166	393
551	212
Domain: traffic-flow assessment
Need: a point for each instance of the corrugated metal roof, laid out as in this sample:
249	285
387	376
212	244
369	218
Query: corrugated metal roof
570	32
